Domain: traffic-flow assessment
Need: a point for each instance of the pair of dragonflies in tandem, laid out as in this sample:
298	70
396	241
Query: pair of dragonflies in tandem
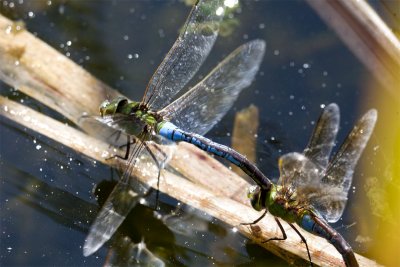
311	190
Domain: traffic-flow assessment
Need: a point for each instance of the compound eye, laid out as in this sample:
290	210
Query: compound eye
104	104
103	107
254	194
253	190
120	104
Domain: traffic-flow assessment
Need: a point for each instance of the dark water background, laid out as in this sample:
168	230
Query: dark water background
46	198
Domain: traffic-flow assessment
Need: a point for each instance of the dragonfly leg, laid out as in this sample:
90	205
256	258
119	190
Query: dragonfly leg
127	151
304	241
163	154
284	236
117	133
125	157
117	137
159	166
257	220
128	148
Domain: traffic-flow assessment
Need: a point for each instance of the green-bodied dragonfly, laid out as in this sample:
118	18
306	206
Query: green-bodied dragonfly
158	118
312	190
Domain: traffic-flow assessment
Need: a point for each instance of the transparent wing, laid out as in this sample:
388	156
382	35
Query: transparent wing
297	171
122	199
127	124
149	158
323	137
339	173
327	191
199	109
95	126
186	55
302	176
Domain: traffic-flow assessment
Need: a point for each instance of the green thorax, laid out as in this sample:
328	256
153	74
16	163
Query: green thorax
280	201
130	117
283	204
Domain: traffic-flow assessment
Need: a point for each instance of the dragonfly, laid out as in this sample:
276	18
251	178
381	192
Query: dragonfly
160	117
312	189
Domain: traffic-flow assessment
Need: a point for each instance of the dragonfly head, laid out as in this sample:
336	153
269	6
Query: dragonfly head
108	108
103	107
117	105
254	194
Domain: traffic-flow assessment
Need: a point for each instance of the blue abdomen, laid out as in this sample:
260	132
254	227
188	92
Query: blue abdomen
308	224
172	132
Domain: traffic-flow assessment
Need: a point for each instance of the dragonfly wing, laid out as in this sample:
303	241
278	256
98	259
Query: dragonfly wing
95	126
339	174
297	171
199	109
328	200
110	217
323	137
300	174
186	55
122	199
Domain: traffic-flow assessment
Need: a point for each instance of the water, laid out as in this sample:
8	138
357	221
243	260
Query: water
46	189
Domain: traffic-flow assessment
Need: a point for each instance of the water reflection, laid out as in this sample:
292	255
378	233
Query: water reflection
175	235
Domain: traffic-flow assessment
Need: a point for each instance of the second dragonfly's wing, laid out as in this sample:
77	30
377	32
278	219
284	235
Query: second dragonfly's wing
327	190
186	55
122	199
296	170
199	109
339	174
299	174
299	170
323	137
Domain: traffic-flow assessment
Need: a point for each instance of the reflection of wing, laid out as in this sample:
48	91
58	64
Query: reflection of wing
130	254
339	173
140	254
186	55
187	221
323	137
206	103
120	202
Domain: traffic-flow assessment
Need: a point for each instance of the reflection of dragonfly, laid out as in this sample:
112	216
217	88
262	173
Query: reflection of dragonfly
311	189
155	118
132	254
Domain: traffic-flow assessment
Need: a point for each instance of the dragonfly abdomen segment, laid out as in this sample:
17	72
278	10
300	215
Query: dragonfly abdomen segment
171	132
308	223
319	227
